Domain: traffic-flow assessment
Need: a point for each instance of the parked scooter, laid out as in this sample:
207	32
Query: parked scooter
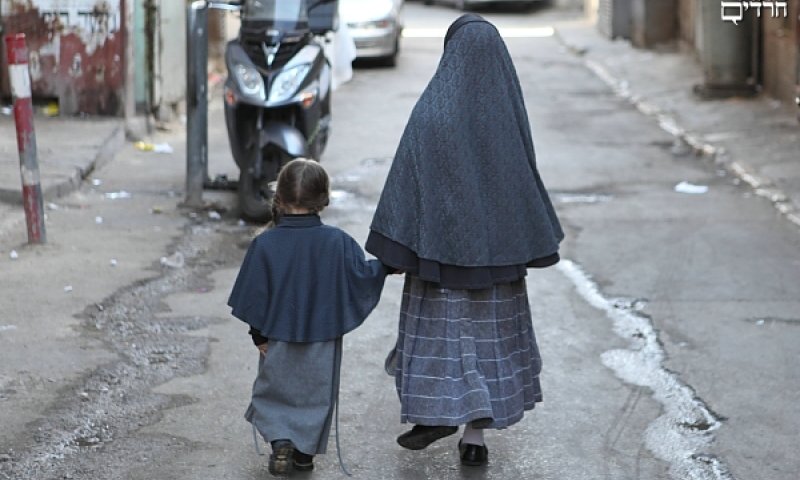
278	92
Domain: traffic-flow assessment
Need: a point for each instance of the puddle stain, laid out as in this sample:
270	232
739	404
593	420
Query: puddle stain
582	198
340	195
354	192
376	161
348	178
684	431
348	202
762	321
88	442
624	303
116	399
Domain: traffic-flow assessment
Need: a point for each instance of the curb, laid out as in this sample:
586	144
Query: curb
762	187
108	149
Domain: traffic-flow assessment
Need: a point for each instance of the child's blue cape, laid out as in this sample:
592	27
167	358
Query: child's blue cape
303	281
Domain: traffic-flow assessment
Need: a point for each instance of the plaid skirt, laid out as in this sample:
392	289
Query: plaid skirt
466	355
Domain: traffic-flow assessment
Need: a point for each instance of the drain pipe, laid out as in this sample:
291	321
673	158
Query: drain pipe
797	66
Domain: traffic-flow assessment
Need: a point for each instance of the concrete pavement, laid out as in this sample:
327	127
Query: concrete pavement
714	274
756	140
69	149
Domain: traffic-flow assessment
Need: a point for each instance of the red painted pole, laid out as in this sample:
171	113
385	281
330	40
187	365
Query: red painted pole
17	54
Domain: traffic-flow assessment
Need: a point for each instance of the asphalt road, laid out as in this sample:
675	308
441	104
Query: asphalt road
669	333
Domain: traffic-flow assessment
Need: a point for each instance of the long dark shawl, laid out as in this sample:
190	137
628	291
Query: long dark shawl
464	204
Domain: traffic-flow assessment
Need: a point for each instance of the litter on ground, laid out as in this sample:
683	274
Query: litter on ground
691	189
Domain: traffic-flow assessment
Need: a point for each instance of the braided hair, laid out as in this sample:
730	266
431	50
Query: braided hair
302	184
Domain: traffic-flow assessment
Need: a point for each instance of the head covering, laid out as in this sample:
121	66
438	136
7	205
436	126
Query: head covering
463	190
460	22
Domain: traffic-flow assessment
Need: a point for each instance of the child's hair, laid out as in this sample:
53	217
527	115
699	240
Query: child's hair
302	183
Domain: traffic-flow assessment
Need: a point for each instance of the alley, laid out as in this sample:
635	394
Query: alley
669	332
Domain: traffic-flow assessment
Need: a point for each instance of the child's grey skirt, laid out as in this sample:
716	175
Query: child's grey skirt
465	355
295	393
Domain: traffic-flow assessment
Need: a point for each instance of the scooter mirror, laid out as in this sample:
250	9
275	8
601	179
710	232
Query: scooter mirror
230	5
323	16
320	2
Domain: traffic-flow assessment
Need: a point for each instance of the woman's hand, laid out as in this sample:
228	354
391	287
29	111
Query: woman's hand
262	349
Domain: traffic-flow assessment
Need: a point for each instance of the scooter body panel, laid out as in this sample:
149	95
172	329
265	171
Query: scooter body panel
277	102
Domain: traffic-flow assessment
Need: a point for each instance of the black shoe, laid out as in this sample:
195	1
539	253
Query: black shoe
421	436
302	462
280	460
473	455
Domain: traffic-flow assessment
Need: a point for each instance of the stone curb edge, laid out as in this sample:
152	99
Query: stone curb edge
108	149
762	187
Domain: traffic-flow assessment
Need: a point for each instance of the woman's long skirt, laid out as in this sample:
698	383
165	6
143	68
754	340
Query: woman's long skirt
466	355
295	393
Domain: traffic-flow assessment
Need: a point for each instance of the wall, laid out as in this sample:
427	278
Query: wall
780	54
170	57
590	9
76	51
572	4
687	20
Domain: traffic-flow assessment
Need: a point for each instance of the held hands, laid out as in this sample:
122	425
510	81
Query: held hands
392	271
262	349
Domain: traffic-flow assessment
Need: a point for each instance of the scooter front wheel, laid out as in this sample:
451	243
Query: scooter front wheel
255	196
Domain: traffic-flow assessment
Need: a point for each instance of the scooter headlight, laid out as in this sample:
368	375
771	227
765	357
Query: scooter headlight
287	83
250	81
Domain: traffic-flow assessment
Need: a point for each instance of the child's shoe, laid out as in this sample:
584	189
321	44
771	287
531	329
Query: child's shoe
302	462
281	458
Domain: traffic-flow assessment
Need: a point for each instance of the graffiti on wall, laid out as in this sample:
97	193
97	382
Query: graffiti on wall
76	50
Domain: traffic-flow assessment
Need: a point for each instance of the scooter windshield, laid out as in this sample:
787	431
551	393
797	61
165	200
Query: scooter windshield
284	15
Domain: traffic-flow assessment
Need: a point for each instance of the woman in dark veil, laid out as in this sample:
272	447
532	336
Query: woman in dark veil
464	213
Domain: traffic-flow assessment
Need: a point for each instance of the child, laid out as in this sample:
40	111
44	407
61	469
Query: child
302	286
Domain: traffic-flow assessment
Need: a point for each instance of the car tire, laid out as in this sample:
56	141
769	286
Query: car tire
391	60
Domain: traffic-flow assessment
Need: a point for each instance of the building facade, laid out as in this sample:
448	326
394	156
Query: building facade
743	46
77	51
104	57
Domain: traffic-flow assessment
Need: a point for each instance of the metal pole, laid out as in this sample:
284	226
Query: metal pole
196	102
797	66
17	54
130	68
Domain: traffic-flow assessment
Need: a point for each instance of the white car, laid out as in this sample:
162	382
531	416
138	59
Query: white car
376	27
